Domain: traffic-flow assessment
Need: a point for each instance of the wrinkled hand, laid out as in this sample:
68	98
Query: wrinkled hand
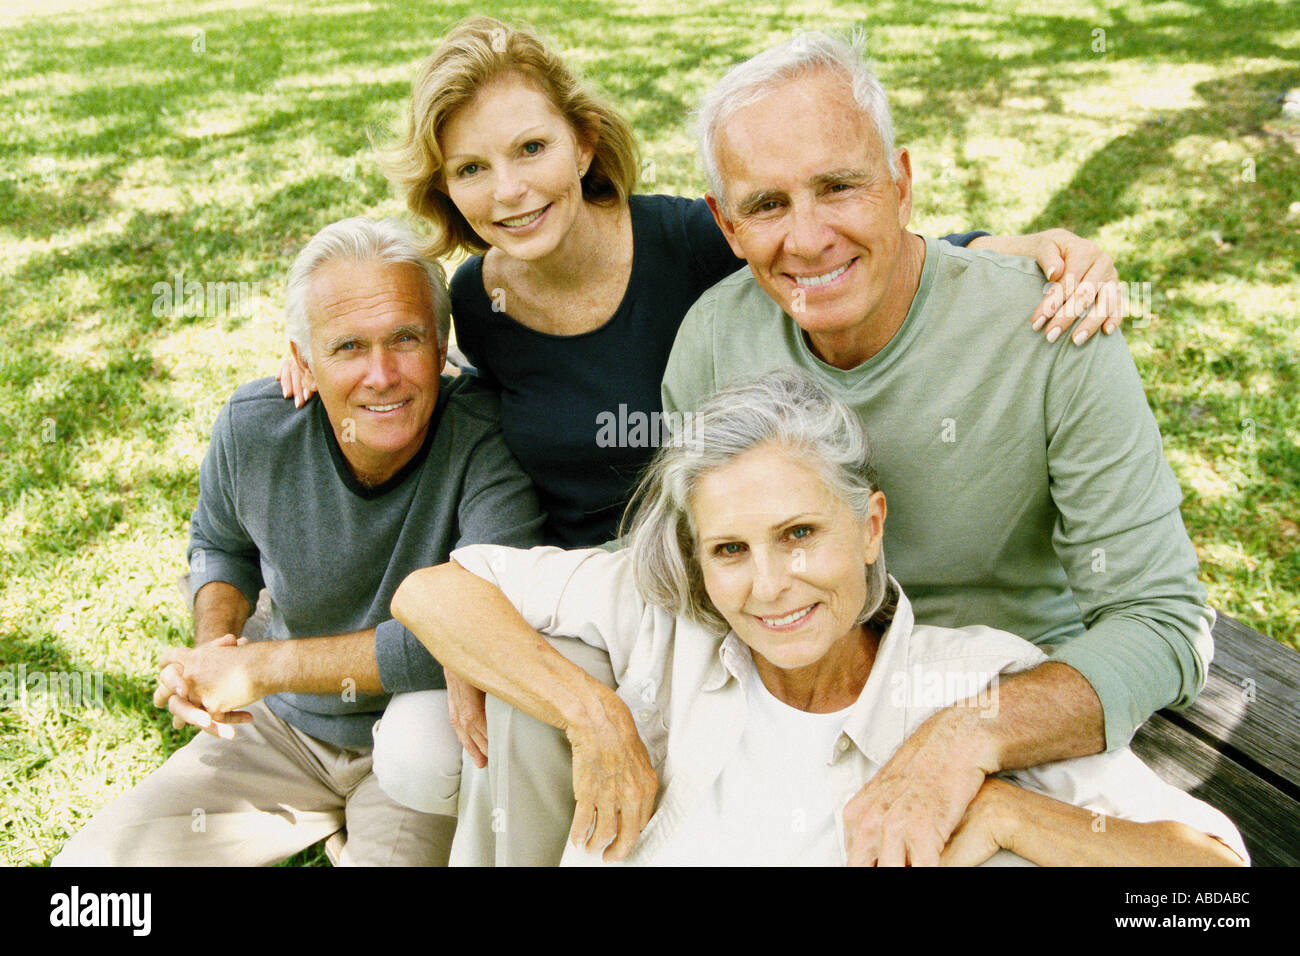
614	783
291	382
467	707
907	811
982	830
1081	275
205	686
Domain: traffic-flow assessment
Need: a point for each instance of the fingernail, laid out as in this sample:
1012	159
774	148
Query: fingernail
1053	335
1080	337
1038	322
1108	328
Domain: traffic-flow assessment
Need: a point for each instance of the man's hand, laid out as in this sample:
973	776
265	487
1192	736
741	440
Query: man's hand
906	812
467	707
220	676
1082	275
173	692
613	781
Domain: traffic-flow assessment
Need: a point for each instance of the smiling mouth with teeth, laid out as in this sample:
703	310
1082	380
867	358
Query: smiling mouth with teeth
788	618
523	220
383	408
814	281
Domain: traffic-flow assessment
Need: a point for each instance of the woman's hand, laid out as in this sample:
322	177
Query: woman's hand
1081	276
613	781
291	381
467	709
983	829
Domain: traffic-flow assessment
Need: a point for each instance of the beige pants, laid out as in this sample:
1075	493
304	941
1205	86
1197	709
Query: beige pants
257	800
517	811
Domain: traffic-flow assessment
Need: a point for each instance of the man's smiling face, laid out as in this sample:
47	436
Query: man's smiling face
812	207
375	361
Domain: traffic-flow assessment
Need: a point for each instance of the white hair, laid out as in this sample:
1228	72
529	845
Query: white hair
362	240
759	75
787	408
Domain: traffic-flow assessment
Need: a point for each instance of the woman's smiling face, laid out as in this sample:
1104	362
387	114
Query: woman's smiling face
784	559
513	167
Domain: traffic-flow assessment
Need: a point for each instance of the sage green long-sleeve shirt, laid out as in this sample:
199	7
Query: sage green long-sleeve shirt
1026	482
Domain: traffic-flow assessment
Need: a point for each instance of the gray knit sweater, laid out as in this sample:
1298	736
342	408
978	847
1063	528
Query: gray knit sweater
279	507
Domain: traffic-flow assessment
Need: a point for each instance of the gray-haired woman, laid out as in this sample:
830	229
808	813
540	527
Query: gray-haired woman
766	664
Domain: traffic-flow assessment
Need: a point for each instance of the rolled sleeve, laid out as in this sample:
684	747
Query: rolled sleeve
404	663
589	594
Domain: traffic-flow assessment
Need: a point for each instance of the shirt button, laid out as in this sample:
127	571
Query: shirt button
644	715
843	745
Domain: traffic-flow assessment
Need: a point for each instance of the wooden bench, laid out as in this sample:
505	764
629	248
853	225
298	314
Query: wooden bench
1238	746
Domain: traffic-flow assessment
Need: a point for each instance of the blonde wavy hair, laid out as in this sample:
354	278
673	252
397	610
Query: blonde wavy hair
476	51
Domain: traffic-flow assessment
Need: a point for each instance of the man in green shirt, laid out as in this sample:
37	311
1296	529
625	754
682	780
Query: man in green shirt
1026	481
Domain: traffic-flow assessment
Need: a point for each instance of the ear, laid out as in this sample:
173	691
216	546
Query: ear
442	355
726	225
904	185
587	137
308	377
873	530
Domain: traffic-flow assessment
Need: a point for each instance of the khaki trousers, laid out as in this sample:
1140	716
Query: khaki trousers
257	800
517	811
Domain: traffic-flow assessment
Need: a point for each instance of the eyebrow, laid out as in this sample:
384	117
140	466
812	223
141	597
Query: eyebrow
408	329
839	175
533	132
793	519
754	200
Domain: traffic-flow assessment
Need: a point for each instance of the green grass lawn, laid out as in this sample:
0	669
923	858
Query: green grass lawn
149	143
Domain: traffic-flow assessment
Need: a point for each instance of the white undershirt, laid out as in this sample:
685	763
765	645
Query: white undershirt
771	805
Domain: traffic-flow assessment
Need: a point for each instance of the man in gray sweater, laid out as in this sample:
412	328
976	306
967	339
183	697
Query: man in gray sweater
329	507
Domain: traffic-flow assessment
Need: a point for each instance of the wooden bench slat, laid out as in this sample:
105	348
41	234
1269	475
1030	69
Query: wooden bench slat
1250	707
1268	818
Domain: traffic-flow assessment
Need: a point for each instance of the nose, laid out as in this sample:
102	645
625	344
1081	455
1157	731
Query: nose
508	188
808	235
771	574
382	372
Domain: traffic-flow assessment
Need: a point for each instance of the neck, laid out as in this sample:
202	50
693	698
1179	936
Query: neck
581	253
830	684
849	349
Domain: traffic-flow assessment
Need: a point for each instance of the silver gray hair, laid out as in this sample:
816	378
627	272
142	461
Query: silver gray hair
787	408
362	240
759	75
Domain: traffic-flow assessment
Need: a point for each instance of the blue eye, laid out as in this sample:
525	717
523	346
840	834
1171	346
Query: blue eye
802	531
730	549
469	169
533	148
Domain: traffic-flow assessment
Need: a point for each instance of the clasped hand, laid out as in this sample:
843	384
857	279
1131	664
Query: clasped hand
206	685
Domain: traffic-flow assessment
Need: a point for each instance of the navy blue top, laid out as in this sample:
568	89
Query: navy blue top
576	409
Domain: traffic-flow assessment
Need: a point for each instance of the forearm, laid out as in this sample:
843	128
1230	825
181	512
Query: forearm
317	665
1052	833
1026	245
474	631
1048	713
219	609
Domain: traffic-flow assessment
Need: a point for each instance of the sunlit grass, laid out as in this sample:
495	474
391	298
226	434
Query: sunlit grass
145	141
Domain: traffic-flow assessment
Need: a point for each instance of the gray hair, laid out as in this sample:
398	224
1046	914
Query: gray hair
362	240
787	408
759	75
